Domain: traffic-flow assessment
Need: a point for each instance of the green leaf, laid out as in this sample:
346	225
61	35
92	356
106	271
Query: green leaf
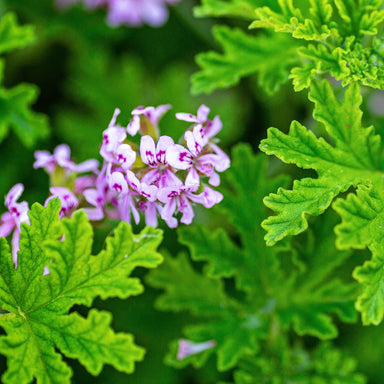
291	19
324	365
362	226
16	113
339	43
13	36
276	288
314	290
225	8
244	55
360	17
353	159
183	287
38	321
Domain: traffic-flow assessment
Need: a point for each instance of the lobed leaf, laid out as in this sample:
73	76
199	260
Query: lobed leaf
244	55
37	321
13	36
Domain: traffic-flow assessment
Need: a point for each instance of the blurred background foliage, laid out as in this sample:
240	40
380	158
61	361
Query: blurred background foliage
84	70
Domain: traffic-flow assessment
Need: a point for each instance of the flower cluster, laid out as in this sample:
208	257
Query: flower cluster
128	12
141	172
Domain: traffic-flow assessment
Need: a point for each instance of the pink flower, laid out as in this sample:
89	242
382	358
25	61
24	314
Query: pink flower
178	199
159	172
61	157
128	12
199	158
18	214
68	200
113	137
208	128
146	120
188	348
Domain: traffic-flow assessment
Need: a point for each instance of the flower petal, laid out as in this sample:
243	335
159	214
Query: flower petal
125	155
179	157
148	151
14	194
161	148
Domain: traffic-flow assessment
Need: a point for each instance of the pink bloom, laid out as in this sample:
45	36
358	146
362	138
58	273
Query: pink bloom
98	198
201	118
198	158
208	128
61	157
68	200
159	173
113	137
18	214
188	348
178	199
146	120
129	12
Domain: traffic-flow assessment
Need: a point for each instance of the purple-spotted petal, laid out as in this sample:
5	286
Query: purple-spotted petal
212	128
118	183
67	199
93	197
168	194
133	181
163	144
149	191
179	157
186	117
195	142
211	197
125	155
148	151
14	194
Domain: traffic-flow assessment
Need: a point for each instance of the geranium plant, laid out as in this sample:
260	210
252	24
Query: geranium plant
263	287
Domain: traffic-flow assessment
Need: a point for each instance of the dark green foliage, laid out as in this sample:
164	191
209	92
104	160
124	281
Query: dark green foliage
284	287
15	110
